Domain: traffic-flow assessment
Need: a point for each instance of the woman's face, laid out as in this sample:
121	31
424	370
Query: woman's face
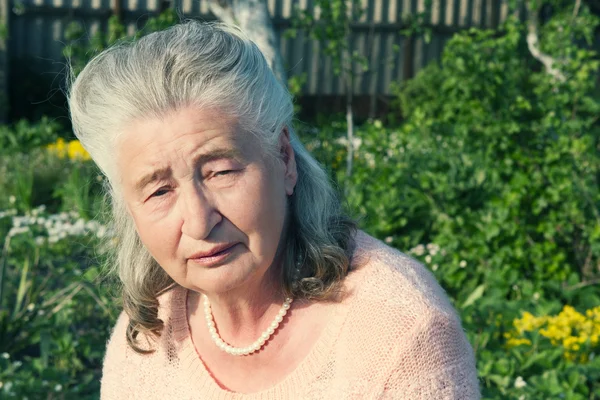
208	203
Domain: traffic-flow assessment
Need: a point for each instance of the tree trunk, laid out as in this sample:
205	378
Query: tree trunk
252	16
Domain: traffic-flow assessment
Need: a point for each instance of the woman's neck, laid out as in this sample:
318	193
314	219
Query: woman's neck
243	314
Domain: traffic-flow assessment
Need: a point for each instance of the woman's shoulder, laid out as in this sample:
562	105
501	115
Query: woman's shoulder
400	316
389	277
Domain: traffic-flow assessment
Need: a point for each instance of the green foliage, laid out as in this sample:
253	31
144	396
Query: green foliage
332	28
419	23
496	167
79	50
25	135
39	177
54	317
498	163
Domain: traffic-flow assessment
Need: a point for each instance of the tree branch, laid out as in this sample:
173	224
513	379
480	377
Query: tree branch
533	43
583	284
223	10
576	8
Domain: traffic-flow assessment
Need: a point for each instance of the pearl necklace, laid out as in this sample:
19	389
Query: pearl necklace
254	347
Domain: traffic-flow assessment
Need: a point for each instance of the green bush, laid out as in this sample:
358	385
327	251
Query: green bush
54	316
496	167
25	135
79	49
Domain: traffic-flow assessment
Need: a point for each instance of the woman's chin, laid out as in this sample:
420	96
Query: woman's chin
221	279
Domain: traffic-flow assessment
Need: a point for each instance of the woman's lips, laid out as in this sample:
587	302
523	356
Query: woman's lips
214	259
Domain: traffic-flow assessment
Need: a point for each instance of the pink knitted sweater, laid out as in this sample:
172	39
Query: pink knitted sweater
395	337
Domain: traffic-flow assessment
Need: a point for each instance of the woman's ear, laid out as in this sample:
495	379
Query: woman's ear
289	160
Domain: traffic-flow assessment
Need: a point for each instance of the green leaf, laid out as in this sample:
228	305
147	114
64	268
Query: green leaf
474	296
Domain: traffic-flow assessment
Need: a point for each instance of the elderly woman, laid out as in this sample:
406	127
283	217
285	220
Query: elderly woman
241	276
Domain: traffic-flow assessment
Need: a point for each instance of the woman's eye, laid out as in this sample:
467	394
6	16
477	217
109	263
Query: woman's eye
160	192
224	172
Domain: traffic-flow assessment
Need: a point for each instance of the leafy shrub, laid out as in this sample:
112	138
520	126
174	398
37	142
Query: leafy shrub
54	317
25	135
497	166
79	49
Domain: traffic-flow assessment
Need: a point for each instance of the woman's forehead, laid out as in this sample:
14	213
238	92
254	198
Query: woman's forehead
188	135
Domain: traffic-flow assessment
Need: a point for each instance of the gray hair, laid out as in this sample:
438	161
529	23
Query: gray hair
214	66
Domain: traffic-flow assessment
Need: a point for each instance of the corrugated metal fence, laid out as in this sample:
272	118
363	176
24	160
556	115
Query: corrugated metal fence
36	32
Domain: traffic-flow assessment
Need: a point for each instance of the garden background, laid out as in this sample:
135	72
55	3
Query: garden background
485	166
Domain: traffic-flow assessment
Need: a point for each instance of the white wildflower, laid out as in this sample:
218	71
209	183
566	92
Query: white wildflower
12	199
434	267
418	251
30	307
40	240
515	287
370	158
520	383
427	258
462	264
14	231
356	142
17	364
433	248
58	388
536	296
5	355
101	232
389	239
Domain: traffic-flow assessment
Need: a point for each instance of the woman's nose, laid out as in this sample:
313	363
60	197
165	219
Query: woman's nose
198	214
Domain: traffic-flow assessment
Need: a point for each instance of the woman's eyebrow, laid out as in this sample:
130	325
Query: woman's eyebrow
157	175
216	154
200	159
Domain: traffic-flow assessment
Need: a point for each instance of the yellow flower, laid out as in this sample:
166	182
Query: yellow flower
58	148
575	332
73	150
76	151
514	342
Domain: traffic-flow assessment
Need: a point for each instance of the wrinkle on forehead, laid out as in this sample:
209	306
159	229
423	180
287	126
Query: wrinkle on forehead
222	136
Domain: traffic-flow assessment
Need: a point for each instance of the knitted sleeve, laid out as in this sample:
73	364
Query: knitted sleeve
437	362
114	367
